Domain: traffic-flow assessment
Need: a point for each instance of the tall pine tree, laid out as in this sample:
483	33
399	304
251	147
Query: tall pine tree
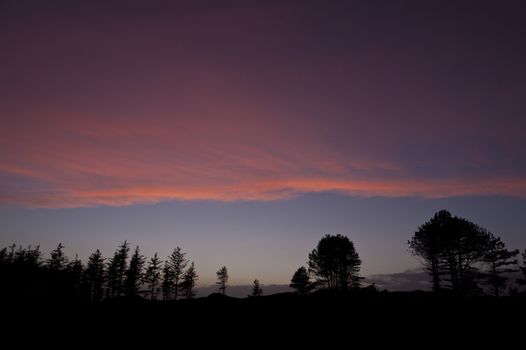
58	260
222	279
499	260
168	281
75	270
94	276
188	284
522	280
134	273
177	263
152	276
117	268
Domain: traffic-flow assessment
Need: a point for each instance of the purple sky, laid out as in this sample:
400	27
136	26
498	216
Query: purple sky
233	112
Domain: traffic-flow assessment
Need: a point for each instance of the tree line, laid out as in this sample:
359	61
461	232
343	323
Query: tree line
27	274
460	257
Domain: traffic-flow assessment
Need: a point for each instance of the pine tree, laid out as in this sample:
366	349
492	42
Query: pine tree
177	264
222	279
75	270
117	268
94	276
451	249
188	284
498	259
300	281
167	284
134	273
29	257
256	289
152	276
522	280
335	262
58	260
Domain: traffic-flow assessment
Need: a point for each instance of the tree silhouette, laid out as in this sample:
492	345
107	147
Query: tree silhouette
75	270
152	276
177	264
499	259
30	256
522	279
426	245
56	278
21	272
95	276
58	260
300	281
117	268
188	284
168	281
222	279
335	262
450	249
3	256
134	273
256	289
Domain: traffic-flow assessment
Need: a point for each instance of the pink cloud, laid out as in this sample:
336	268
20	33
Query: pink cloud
91	161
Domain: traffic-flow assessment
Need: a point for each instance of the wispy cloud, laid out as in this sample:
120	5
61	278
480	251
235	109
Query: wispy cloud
72	173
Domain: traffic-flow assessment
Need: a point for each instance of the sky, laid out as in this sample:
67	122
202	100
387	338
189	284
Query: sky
244	131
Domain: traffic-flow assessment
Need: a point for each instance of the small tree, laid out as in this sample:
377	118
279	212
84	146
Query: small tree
152	276
300	281
335	263
189	279
256	289
222	279
134	274
94	276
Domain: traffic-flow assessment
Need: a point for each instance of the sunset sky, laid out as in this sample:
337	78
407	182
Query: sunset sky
243	131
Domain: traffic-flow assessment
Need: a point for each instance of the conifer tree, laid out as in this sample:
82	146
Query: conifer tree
522	280
167	283
152	276
300	281
75	270
134	273
94	276
256	289
188	284
222	279
499	260
335	262
177	263
117	268
58	260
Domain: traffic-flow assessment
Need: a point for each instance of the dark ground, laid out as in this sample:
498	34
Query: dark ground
361	316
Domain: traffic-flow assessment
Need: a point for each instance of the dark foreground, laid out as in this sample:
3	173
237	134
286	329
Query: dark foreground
390	316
